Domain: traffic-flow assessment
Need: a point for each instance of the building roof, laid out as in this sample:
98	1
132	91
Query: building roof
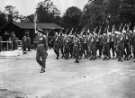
51	26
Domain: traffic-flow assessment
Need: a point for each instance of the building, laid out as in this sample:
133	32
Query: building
21	28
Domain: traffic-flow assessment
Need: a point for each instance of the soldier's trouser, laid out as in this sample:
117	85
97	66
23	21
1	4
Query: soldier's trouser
128	51
99	47
113	48
71	50
62	51
41	56
24	48
100	51
85	49
134	51
106	50
94	53
120	52
66	52
57	52
76	52
29	47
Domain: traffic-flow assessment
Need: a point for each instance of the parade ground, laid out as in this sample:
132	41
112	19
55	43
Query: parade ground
20	77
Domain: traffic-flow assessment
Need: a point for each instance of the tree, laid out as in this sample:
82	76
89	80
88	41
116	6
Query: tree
12	13
71	18
97	12
2	19
127	11
47	11
93	14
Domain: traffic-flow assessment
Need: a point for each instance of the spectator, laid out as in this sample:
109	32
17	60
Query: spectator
24	44
28	42
14	40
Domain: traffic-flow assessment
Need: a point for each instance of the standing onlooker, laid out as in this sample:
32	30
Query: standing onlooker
28	42
14	40
24	44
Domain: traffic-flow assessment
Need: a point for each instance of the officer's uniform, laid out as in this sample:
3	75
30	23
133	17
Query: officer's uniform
41	55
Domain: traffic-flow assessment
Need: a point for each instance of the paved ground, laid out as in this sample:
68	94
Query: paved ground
19	77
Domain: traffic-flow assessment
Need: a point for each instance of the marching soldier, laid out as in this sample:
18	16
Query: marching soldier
127	46
106	47
85	46
93	48
76	48
42	47
120	48
133	44
112	44
56	46
89	45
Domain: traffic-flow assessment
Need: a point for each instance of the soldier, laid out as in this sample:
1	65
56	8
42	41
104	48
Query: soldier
133	43
56	47
120	47
106	47
89	45
112	44
28	42
14	40
127	47
100	45
76	48
85	46
24	44
93	48
42	47
61	44
71	44
67	41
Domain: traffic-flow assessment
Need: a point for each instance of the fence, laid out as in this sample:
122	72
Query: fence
8	45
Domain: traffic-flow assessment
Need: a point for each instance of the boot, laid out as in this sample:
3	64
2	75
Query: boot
42	70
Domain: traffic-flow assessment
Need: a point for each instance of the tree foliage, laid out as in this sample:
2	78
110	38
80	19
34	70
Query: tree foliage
2	19
98	12
12	13
93	13
47	11
72	17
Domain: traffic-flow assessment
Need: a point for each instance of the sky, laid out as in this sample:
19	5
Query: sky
27	7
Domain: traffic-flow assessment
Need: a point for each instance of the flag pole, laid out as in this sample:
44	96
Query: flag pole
35	22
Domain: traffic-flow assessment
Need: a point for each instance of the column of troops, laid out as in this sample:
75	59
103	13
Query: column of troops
118	44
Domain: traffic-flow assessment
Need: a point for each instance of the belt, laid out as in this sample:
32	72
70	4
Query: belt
40	44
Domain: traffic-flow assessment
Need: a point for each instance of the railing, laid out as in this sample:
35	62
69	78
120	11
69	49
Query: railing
8	45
